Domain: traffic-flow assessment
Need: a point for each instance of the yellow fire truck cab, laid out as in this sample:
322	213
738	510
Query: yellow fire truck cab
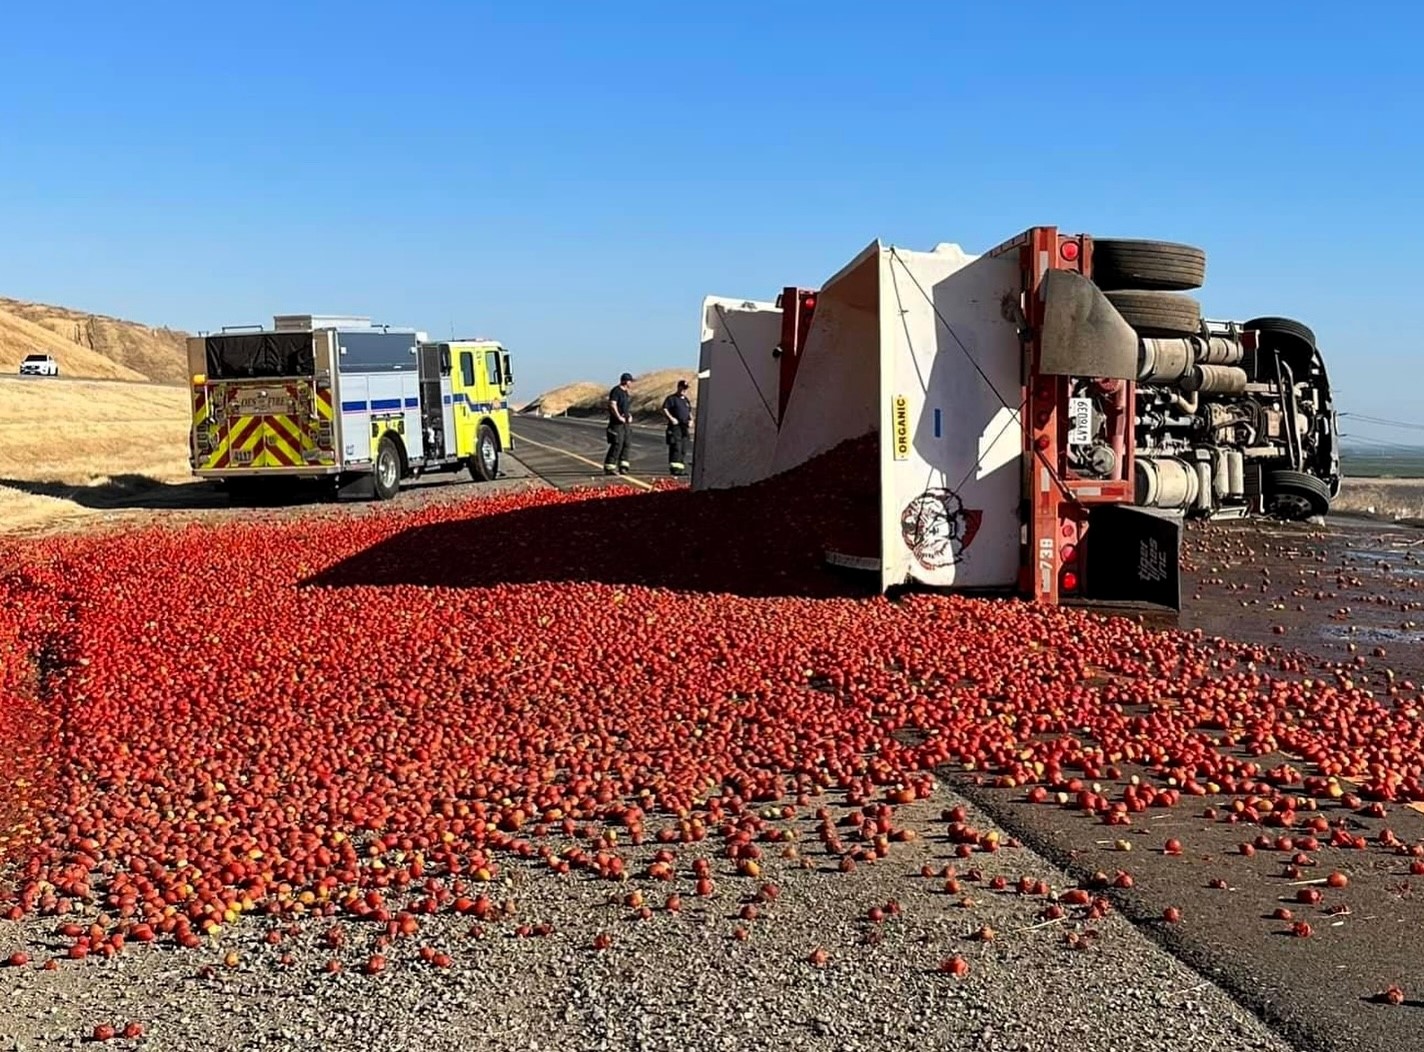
339	399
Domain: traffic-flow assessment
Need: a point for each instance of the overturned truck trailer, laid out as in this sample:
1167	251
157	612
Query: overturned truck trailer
1046	414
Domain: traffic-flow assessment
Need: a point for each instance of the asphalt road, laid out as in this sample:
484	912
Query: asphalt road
1286	586
568	452
67	379
1258	583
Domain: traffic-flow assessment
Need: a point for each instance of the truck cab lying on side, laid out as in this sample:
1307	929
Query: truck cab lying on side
337	399
1047	413
1237	419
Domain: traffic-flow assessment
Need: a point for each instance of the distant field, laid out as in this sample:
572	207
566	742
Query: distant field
1386	463
1389	498
1387	482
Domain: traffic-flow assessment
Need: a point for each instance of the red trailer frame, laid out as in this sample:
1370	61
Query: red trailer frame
1057	502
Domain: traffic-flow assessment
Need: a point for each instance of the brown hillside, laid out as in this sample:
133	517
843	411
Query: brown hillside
587	398
90	345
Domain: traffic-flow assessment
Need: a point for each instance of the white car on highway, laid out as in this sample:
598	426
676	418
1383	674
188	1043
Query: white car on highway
39	365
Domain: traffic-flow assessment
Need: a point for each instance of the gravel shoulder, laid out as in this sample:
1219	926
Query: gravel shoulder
675	981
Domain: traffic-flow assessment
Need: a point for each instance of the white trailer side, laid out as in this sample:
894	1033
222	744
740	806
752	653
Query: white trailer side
734	443
918	348
952	440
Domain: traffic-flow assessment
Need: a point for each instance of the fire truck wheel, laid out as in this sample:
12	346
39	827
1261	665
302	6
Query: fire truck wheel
1296	496
484	465
1158	313
1162	265
387	469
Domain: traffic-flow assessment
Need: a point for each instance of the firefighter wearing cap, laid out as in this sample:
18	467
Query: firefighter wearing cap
678	410
620	422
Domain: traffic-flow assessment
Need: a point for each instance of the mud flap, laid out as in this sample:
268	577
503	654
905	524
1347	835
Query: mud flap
1134	556
1083	334
356	487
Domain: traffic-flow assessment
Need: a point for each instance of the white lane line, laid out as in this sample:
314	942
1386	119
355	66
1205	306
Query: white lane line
582	460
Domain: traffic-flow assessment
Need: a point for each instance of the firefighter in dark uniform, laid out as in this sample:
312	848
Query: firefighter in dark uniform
678	410
620	424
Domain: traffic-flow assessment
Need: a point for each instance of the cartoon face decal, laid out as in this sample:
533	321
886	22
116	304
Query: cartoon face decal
938	528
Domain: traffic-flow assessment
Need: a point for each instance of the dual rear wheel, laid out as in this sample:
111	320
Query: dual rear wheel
1143	280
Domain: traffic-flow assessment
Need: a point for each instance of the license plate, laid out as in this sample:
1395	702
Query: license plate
1080	417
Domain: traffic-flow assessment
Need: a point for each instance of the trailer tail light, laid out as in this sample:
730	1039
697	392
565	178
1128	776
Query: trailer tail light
797	305
1068	582
1069	251
1070	553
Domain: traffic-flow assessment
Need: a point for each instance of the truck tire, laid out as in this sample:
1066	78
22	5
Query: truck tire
1296	496
1292	340
1286	337
1123	263
1157	313
484	464
387	469
1281	330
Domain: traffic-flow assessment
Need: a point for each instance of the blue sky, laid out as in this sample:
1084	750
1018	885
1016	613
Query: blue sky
572	178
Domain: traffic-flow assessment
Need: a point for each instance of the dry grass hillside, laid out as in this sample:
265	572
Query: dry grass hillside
591	399
70	449
90	345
